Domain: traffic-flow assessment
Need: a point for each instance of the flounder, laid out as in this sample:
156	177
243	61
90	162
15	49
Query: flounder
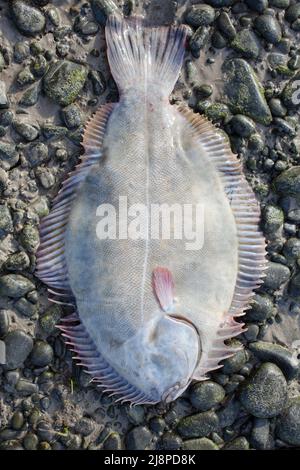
150	315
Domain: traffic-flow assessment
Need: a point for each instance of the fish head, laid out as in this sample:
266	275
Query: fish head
165	357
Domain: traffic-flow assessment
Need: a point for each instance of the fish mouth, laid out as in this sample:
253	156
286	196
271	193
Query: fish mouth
179	387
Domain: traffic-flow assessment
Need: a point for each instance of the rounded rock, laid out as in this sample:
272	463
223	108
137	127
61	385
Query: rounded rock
18	347
269	28
198	425
206	395
200	15
42	354
29	20
15	285
288	425
264	394
139	438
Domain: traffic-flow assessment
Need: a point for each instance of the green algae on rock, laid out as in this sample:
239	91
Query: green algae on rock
244	92
64	81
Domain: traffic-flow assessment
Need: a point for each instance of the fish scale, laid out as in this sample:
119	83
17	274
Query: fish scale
149	315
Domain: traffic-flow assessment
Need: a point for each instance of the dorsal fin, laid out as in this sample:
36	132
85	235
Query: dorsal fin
51	264
251	243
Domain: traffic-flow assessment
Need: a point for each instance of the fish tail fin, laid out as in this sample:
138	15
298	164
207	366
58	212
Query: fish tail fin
140	56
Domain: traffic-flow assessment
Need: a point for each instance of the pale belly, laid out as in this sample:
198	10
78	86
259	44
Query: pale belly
148	162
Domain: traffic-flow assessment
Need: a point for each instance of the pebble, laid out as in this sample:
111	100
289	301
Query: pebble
64	81
30	441
288	182
4	103
139	438
262	308
272	219
264	394
4	322
30	96
17	261
6	223
260	434
170	441
294	287
200	444
26	308
240	443
257	5
242	125
8	155
17	420
72	116
199	15
28	19
18	347
246	43
269	28
42	354
206	395
15	285
244	91
276	275
279	355
37	153
136	414
226	26
235	363
28	131
85	426
229	413
26	388
113	442
198	425
288	424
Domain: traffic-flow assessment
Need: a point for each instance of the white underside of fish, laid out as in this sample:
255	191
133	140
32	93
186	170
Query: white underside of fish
148	152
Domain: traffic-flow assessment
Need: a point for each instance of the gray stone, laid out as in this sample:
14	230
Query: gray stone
113	442
288	182
199	444
294	287
18	347
64	81
257	5
240	443
264	394
28	130
205	395
273	219
246	43
29	20
4	103
37	153
6	223
139	438
229	413
15	285
30	96
30	238
85	426
26	388
8	155
199	15
26	308
291	250
245	93
242	125
225	25
102	9
4	322
288	424
282	357
198	425
276	275
17	262
30	441
235	363
269	28
262	308
260	434
292	13
72	116
42	354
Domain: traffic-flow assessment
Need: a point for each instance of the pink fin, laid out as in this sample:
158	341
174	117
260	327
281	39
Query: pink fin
164	287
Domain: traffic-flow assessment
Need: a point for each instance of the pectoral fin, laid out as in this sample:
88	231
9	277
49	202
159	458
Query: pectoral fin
163	286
